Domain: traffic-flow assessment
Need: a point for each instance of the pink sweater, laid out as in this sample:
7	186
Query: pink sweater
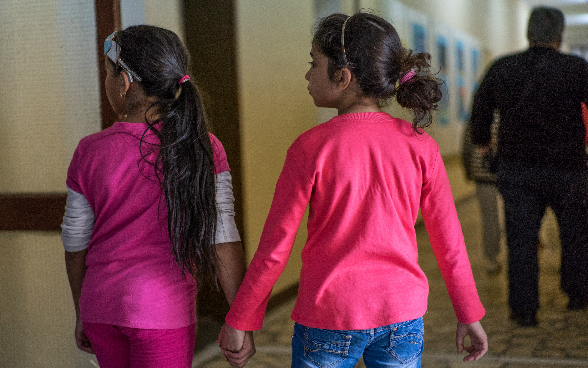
132	279
365	176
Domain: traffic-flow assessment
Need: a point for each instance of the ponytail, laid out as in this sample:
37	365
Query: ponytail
184	165
188	169
422	92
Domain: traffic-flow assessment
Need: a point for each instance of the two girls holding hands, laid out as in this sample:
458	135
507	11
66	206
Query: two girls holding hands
150	210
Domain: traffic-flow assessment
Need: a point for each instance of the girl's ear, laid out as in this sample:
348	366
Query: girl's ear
125	83
344	78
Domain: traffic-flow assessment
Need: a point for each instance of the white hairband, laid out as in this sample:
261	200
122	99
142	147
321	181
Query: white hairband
343	39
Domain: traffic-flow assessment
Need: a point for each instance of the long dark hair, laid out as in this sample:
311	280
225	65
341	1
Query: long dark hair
185	163
374	54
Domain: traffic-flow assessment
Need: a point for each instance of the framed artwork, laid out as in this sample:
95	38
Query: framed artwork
442	57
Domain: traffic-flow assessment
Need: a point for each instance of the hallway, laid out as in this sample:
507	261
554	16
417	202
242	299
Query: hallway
560	340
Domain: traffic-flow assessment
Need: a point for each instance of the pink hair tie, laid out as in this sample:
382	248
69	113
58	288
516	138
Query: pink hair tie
408	76
185	78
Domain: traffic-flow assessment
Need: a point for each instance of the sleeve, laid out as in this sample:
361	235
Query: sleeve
440	217
581	77
483	108
466	150
585	120
78	222
73	171
221	162
226	229
291	198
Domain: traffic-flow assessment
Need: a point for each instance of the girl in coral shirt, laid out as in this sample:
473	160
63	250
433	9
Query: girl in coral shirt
364	174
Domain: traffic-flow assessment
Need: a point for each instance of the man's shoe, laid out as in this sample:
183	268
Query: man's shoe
525	319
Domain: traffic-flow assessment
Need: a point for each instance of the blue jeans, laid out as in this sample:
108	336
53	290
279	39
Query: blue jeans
395	345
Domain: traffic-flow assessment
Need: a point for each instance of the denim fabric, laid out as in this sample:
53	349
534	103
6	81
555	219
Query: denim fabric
395	345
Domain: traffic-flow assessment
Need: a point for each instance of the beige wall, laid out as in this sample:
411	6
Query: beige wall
49	101
166	14
50	92
273	46
36	312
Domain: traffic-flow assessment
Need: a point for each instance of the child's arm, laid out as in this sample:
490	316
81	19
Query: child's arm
238	346
230	267
447	240
230	260
75	264
77	226
478	338
241	341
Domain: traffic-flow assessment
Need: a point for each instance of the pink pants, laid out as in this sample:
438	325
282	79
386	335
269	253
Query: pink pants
125	347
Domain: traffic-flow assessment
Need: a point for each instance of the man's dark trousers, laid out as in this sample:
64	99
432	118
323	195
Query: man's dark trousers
527	192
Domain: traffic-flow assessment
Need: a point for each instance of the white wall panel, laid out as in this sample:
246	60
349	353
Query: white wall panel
49	96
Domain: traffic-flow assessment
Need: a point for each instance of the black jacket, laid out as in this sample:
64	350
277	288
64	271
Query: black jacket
537	94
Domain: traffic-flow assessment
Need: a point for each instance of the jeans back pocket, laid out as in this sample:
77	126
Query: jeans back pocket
406	340
325	348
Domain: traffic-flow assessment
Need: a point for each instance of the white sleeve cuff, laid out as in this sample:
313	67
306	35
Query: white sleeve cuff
78	222
226	228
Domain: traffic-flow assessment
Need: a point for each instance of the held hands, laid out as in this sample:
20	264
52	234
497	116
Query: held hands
478	338
237	346
81	339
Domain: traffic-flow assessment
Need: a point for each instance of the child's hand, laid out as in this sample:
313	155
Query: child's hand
239	359
230	339
237	346
82	340
478	338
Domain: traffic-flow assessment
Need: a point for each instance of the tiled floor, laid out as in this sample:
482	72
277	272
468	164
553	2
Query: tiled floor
560	340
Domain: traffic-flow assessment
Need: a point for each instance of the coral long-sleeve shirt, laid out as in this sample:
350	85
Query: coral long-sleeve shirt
365	176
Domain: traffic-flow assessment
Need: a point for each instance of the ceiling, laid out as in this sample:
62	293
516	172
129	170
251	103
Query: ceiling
576	15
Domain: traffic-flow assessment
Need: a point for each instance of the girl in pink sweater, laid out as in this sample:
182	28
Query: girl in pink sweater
149	211
364	175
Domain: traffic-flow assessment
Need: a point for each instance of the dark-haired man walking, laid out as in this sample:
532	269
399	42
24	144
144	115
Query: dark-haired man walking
542	158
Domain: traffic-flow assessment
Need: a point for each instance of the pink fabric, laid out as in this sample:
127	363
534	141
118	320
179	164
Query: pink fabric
132	279
408	76
124	347
365	176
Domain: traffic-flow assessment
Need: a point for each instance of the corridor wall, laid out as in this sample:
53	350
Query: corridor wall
273	46
50	100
